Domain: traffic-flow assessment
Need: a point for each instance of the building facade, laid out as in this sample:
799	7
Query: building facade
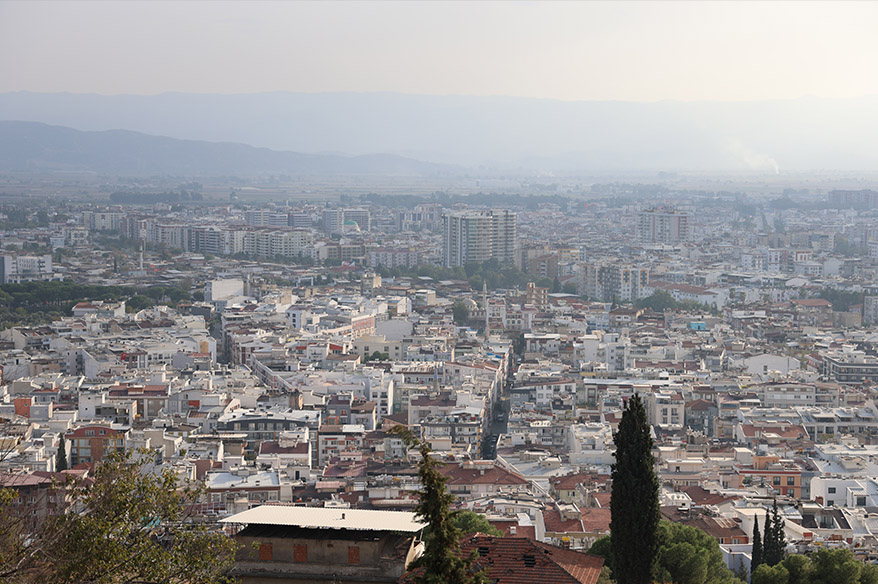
663	226
478	236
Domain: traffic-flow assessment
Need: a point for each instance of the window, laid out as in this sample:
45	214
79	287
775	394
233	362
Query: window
265	552
300	553
831	490
791	481
775	481
861	501
353	554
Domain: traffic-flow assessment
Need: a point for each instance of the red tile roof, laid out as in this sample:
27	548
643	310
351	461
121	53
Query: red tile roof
596	520
506	526
701	496
555	524
517	560
723	529
602	499
700	405
569	482
784	430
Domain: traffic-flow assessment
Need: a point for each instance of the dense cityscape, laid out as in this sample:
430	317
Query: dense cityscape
268	348
484	292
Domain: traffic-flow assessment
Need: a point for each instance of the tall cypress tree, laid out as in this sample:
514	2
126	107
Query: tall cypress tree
773	542
61	456
777	531
756	555
441	559
634	504
768	542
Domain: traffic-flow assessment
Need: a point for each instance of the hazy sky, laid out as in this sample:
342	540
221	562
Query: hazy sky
566	50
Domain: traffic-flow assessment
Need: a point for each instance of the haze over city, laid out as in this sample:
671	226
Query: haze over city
630	51
460	292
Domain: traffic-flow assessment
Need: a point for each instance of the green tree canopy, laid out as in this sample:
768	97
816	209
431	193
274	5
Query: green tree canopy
827	566
460	312
841	300
603	547
799	569
661	300
130	525
765	574
837	566
688	555
468	522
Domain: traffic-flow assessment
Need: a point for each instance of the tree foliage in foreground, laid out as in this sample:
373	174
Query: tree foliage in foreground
756	549
688	555
685	555
468	522
835	566
124	525
442	562
634	504
773	538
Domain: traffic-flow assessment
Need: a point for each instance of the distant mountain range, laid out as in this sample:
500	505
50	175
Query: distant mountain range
33	146
495	133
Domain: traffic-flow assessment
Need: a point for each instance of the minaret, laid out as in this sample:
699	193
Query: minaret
485	300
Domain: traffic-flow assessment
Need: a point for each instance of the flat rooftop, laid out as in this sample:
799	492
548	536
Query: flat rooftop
322	518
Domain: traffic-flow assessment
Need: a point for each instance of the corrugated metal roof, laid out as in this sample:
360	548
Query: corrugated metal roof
322	518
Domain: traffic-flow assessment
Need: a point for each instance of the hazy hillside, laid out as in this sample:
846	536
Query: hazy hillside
505	132
37	146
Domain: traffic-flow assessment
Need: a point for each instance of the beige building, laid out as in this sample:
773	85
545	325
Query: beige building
478	236
299	545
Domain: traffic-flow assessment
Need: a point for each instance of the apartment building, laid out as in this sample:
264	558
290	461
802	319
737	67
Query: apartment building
478	236
663	226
